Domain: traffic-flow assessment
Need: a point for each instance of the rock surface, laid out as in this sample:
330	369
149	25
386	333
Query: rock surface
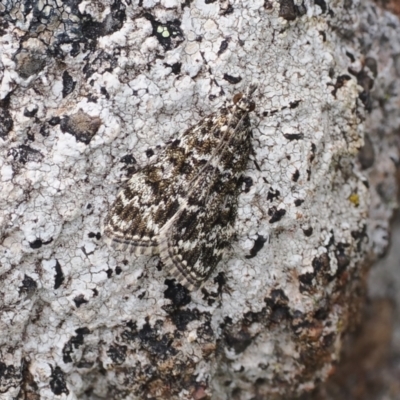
89	92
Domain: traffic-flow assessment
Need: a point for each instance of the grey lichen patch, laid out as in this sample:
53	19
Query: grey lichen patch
81	125
6	121
93	97
68	84
289	10
29	63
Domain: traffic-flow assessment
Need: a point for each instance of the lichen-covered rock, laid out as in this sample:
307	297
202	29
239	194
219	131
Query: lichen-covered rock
89	92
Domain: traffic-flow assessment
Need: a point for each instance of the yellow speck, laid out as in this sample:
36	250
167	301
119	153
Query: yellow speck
160	29
355	199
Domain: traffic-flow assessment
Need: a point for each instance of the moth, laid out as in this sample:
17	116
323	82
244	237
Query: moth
183	206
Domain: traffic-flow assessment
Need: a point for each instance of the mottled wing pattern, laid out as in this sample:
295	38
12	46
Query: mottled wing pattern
193	243
139	212
184	206
149	200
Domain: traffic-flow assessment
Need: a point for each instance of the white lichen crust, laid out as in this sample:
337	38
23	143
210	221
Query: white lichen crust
90	94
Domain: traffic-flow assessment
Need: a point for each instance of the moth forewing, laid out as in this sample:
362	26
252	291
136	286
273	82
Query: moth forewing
183	207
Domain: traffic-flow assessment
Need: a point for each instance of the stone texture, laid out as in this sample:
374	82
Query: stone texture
89	92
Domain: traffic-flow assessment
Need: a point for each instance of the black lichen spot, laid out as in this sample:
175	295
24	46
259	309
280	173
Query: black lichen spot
279	297
313	151
232	79
30	111
247	183
294	104
109	273
9	375
81	125
158	346
36	244
220	280
92	235
321	263
104	92
92	29
278	306
275	214
294	136
298	202
238	341
301	9
118	270
44	130
117	353
306	279
149	153
296	176
28	287
177	293
205	331
128	159
57	383
360	236
328	340
268	5
54	121
308	231
75	49
321	314
79	300
24	154
340	82
6	122
351	56
343	260
169	34
226	8
287	10
223	46
74	343
175	68
29	63
273	194
322	5
258	245
59	278
185	3
182	317
68	84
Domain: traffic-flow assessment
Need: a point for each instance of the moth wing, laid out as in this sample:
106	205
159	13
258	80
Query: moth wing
193	242
135	218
